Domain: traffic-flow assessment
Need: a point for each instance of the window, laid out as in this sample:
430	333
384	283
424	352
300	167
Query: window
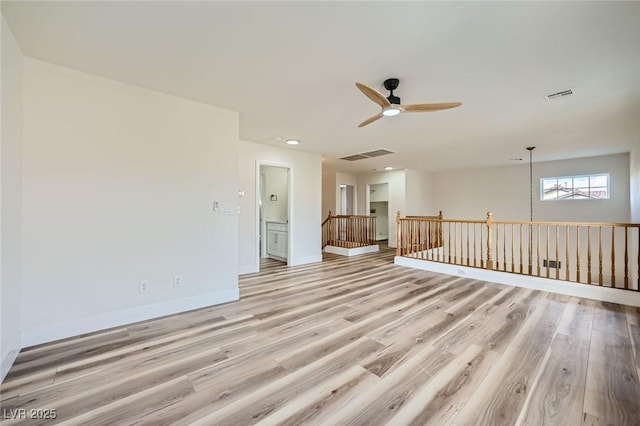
586	187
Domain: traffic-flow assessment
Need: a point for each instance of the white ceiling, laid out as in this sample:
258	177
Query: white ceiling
289	68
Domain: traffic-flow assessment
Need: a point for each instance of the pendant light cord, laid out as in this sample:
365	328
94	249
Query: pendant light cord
531	186
530	149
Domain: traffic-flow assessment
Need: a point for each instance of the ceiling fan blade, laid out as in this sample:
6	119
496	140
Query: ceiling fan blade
429	107
370	120
374	95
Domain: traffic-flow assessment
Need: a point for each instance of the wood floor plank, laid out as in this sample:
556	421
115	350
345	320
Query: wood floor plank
315	405
259	404
492	327
383	400
610	318
578	318
139	405
633	314
634	331
557	397
440	401
517	367
612	389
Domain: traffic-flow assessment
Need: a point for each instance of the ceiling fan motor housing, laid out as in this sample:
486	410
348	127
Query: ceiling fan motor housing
391	84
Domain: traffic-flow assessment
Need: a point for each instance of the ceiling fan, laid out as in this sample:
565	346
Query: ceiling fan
391	105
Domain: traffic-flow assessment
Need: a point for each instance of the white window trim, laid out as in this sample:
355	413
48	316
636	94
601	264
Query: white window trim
574	177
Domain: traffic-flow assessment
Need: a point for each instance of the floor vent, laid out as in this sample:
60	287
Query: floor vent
552	263
370	154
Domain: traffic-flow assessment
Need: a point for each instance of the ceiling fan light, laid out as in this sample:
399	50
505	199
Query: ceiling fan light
390	111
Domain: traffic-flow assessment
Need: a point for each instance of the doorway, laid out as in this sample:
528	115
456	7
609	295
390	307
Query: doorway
347	200
274	212
378	206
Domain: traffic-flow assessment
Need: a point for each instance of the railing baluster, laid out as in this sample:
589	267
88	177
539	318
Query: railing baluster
449	244
557	252
468	254
481	247
578	253
589	281
440	242
474	246
613	257
455	246
626	257
530	243
513	265
398	235
538	252
548	251
599	255
504	248
489	264
566	253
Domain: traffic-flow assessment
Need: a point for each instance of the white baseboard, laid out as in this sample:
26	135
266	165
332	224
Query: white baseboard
605	294
307	259
248	269
351	251
9	356
70	328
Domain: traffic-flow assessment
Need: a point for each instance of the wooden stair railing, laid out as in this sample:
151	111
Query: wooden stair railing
602	254
348	231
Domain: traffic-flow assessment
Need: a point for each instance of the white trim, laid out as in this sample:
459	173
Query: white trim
248	269
305	260
289	167
9	357
70	328
623	297
351	251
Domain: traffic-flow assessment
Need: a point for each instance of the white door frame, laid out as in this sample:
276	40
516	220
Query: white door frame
289	167
339	198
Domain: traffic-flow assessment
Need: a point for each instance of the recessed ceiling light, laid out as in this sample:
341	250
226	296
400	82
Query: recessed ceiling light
293	141
388	168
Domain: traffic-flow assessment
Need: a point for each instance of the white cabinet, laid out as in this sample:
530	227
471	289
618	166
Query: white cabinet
277	238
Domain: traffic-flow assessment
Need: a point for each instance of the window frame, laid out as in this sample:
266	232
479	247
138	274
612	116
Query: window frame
573	177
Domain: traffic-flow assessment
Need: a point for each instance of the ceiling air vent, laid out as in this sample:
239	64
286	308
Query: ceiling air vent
377	153
370	154
354	157
559	95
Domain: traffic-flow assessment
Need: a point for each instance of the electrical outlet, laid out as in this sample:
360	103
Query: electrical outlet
143	286
177	281
462	272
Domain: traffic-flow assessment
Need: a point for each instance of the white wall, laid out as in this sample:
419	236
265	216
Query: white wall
378	192
634	175
419	194
119	184
305	221
10	198
276	183
329	197
470	194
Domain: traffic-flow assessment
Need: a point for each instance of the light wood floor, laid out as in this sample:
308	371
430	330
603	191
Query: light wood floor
351	341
